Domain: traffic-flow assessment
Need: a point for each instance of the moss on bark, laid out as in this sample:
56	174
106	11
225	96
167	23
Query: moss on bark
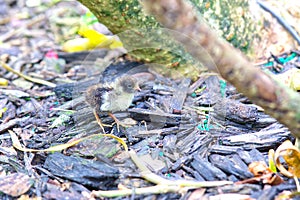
142	36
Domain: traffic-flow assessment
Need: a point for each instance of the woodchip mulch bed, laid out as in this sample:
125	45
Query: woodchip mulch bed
201	130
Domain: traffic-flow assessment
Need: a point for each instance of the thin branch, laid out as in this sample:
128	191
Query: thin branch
204	44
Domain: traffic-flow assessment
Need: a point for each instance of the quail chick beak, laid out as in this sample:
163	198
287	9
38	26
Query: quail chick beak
137	88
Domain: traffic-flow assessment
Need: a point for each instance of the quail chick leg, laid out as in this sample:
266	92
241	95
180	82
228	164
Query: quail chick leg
99	121
116	121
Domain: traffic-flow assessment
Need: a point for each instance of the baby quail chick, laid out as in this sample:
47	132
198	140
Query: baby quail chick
113	97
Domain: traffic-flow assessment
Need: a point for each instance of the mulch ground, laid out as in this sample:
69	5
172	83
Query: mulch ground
181	130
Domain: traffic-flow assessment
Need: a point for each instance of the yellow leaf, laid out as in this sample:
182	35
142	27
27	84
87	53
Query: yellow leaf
3	82
272	165
60	147
121	141
92	39
116	44
99	40
76	45
3	110
35	80
17	145
95	38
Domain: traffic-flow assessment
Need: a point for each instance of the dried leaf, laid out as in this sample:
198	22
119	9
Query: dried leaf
197	194
60	120
264	174
15	184
128	122
22	83
27	197
15	93
154	164
258	168
291	156
284	195
230	196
